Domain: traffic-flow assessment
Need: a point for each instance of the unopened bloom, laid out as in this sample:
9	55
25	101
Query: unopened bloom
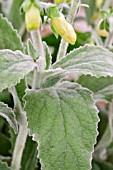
32	18
101	32
99	3
70	35
59	24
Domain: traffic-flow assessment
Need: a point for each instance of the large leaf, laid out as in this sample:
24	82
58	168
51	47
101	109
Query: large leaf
92	60
8	36
63	120
8	114
13	67
3	166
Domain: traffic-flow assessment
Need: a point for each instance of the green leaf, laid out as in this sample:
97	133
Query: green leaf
53	11
63	120
3	166
20	90
88	60
13	67
9	38
48	56
29	158
102	87
31	50
8	114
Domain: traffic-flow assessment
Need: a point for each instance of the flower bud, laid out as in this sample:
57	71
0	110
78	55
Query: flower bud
32	18
59	24
101	32
70	35
99	3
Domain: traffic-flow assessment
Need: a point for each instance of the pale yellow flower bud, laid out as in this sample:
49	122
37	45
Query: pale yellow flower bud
70	35
101	32
32	18
99	3
59	24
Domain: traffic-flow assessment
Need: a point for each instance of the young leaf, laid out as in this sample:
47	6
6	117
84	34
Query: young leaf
63	120
48	56
9	38
8	114
88	60
13	67
4	166
31	50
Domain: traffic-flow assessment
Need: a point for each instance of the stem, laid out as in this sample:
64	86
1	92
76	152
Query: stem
107	4
37	41
109	40
110	118
22	135
64	45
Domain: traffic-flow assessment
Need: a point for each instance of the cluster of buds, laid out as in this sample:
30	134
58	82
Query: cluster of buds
58	22
64	29
101	32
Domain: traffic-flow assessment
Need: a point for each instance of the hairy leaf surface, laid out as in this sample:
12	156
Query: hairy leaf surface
13	67
63	120
88	60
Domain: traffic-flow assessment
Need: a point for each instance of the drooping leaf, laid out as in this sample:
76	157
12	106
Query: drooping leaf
29	158
9	38
88	60
63	120
4	166
13	67
20	90
8	114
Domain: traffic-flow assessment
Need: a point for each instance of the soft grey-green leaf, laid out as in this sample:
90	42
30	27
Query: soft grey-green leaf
47	55
88	60
4	166
31	50
13	67
63	120
9	39
8	114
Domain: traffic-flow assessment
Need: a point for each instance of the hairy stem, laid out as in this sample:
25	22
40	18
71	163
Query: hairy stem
22	135
64	45
37	41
